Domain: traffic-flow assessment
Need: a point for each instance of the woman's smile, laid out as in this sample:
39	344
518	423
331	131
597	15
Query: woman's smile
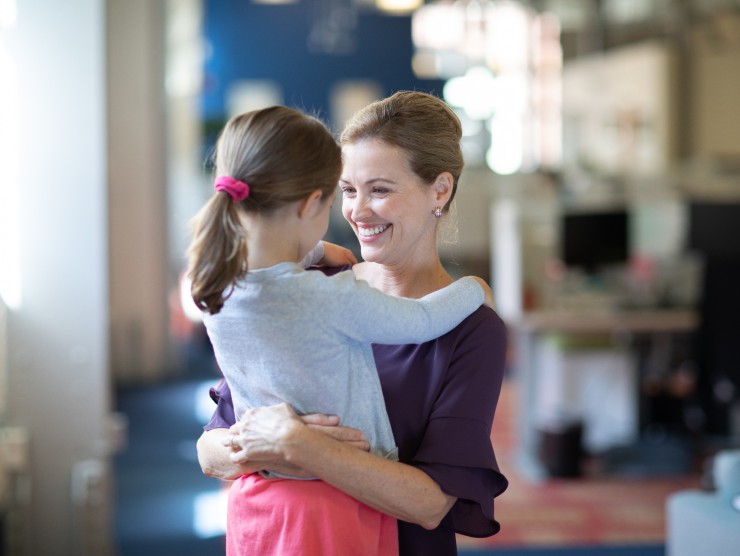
370	233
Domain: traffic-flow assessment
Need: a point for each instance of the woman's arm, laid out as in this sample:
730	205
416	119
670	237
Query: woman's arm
394	488
215	447
214	459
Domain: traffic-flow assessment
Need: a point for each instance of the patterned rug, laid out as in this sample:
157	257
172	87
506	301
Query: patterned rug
594	510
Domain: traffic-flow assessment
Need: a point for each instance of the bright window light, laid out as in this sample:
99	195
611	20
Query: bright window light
8	14
209	514
10	268
186	300
438	26
505	154
499	57
398	6
204	406
475	92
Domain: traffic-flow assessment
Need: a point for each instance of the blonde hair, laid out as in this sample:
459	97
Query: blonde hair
283	155
424	126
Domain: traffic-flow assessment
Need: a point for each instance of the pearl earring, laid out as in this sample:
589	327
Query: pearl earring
437	212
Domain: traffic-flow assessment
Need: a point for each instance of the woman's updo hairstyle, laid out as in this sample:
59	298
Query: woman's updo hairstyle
424	126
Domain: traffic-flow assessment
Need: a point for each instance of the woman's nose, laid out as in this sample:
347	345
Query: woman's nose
360	207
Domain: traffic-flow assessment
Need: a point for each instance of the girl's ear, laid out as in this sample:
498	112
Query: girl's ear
309	203
442	188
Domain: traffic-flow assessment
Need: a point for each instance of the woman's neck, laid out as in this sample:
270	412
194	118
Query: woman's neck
412	281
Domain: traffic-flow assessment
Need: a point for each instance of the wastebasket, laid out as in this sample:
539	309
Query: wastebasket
561	448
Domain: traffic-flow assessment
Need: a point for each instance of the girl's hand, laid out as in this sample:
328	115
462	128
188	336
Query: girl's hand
486	291
336	255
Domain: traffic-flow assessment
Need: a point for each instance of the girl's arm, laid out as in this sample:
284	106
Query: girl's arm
388	319
337	256
328	254
397	489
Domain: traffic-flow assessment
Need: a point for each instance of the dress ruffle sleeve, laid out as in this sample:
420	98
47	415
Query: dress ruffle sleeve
458	455
456	448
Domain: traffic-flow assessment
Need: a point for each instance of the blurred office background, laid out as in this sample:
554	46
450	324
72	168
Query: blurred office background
601	198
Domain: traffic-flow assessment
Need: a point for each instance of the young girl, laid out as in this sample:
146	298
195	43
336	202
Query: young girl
281	334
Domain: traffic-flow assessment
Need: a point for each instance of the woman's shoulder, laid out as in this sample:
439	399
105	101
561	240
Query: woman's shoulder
475	347
484	321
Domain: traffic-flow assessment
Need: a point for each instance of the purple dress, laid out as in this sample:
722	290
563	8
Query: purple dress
441	397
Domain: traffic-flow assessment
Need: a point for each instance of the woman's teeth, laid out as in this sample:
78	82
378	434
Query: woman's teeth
367	232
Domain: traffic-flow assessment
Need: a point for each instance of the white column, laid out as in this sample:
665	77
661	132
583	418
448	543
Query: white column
57	329
507	258
137	171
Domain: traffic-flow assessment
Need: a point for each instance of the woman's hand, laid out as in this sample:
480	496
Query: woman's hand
329	425
487	292
261	435
335	256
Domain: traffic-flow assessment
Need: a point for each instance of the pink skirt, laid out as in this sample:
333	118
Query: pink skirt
285	517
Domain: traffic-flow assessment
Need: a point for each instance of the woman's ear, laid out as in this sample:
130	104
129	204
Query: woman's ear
310	203
443	187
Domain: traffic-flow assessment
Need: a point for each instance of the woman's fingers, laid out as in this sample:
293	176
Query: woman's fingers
257	435
320	419
353	437
360	445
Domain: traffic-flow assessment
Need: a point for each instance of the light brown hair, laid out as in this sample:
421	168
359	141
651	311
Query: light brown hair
424	126
283	155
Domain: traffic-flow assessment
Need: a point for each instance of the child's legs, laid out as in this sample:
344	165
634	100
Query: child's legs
288	517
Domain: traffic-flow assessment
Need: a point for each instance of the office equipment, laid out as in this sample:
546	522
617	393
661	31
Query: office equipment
529	334
591	240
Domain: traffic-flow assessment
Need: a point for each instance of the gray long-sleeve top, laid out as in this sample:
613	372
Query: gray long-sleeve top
290	335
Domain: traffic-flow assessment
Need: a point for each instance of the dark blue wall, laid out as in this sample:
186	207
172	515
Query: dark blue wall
254	41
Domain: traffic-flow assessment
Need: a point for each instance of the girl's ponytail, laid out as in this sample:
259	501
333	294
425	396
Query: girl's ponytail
218	252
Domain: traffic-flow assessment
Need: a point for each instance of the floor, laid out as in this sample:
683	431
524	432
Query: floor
617	510
161	495
164	505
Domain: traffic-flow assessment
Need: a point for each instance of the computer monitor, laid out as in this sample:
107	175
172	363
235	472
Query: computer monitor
593	240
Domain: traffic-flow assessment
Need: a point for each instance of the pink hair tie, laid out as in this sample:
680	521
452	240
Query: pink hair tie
238	190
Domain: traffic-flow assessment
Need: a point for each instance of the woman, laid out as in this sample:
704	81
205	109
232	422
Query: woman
402	162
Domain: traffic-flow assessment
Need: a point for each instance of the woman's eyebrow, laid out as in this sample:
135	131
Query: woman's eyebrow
372	181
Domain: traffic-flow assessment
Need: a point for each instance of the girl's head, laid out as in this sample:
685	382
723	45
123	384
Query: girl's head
282	155
421	125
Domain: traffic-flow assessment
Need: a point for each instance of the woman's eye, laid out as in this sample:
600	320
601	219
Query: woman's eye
347	191
380	190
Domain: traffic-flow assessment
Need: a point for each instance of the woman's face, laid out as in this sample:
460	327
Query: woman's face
388	206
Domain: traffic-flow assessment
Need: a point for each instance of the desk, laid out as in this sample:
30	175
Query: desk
527	332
